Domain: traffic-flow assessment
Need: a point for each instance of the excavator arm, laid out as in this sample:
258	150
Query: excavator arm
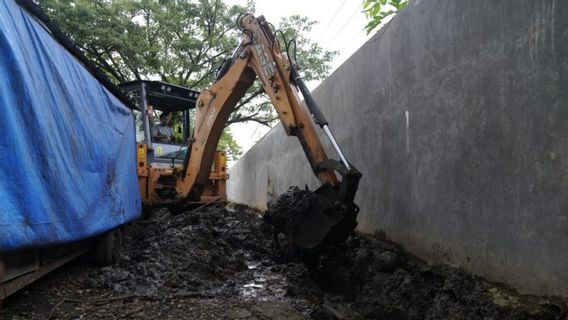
260	55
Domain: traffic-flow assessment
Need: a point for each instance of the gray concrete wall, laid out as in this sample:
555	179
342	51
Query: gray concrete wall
456	114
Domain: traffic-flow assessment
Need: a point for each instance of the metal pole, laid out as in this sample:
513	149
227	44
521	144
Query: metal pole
336	146
145	116
318	115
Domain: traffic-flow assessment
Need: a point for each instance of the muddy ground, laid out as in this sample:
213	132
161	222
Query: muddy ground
215	263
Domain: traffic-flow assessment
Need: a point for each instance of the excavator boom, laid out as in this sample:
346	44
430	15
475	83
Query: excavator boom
260	56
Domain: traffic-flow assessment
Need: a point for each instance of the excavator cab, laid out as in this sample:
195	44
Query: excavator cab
160	160
153	99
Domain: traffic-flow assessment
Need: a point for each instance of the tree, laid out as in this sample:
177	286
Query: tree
377	10
180	42
229	144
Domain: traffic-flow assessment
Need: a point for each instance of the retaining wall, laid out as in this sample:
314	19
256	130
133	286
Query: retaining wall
456	114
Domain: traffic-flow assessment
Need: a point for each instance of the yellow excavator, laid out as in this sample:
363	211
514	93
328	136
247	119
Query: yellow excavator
189	179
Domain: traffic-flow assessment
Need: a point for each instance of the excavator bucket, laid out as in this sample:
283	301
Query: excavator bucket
310	219
329	221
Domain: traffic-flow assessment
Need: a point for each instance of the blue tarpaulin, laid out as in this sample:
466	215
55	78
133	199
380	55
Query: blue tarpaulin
67	145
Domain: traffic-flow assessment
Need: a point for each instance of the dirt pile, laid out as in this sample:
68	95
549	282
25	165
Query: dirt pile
169	254
373	279
310	219
290	209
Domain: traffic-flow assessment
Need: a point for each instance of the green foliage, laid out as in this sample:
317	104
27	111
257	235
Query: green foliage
229	145
179	42
377	10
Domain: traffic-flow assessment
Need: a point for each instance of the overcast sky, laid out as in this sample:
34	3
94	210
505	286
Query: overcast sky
340	28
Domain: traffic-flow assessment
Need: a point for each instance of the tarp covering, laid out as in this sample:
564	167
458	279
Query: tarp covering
67	146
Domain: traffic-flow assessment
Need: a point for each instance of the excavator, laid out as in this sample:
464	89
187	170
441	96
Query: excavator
191	180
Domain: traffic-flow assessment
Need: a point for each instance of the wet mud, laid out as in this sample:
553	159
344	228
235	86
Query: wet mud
217	263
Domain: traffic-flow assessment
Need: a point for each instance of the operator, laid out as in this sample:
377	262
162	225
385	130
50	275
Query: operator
163	132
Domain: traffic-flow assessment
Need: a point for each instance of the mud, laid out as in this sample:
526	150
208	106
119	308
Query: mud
377	280
223	264
290	209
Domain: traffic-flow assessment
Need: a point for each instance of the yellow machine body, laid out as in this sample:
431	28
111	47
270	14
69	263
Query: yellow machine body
151	177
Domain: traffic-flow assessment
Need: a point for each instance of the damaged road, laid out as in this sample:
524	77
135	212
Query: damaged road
217	263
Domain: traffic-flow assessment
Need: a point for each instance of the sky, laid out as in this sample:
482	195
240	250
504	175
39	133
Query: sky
340	28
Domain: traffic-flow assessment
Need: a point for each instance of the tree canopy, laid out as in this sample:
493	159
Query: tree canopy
180	42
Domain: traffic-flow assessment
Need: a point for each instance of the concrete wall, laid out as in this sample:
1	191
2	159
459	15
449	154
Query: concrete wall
456	114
